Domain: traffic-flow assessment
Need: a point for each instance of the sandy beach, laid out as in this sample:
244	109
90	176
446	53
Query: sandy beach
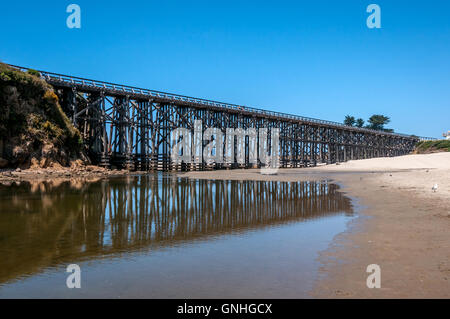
403	225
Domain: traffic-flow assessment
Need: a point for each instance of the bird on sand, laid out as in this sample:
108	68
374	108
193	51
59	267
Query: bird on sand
434	188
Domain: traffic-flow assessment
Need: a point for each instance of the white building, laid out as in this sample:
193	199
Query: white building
447	135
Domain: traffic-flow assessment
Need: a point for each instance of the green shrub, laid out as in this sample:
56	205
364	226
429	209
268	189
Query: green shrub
34	72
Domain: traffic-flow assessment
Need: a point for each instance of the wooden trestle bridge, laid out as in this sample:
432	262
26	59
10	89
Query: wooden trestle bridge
125	126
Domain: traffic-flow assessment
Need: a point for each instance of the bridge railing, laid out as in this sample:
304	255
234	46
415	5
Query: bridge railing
176	97
427	139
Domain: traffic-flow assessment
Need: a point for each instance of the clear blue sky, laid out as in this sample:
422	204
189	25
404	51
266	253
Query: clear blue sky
311	58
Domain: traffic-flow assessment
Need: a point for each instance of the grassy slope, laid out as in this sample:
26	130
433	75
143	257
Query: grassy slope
432	146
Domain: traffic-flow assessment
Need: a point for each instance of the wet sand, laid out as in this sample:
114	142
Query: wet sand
403	225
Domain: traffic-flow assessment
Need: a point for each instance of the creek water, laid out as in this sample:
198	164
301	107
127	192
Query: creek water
161	236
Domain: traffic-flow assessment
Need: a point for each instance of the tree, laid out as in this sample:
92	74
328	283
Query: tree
359	122
349	120
377	122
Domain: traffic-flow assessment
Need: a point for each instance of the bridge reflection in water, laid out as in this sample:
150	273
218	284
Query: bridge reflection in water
45	224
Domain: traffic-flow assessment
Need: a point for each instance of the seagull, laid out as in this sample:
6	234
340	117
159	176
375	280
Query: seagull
434	188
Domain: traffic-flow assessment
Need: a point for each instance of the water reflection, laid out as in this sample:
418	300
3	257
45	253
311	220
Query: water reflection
45	224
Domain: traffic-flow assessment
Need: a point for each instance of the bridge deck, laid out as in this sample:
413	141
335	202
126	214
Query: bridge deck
119	90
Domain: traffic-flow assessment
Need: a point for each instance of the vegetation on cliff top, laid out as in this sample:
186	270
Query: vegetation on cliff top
33	128
426	147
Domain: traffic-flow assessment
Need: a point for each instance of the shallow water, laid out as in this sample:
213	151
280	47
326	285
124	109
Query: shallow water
159	236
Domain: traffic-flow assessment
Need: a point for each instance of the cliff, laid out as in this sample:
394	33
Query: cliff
34	131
